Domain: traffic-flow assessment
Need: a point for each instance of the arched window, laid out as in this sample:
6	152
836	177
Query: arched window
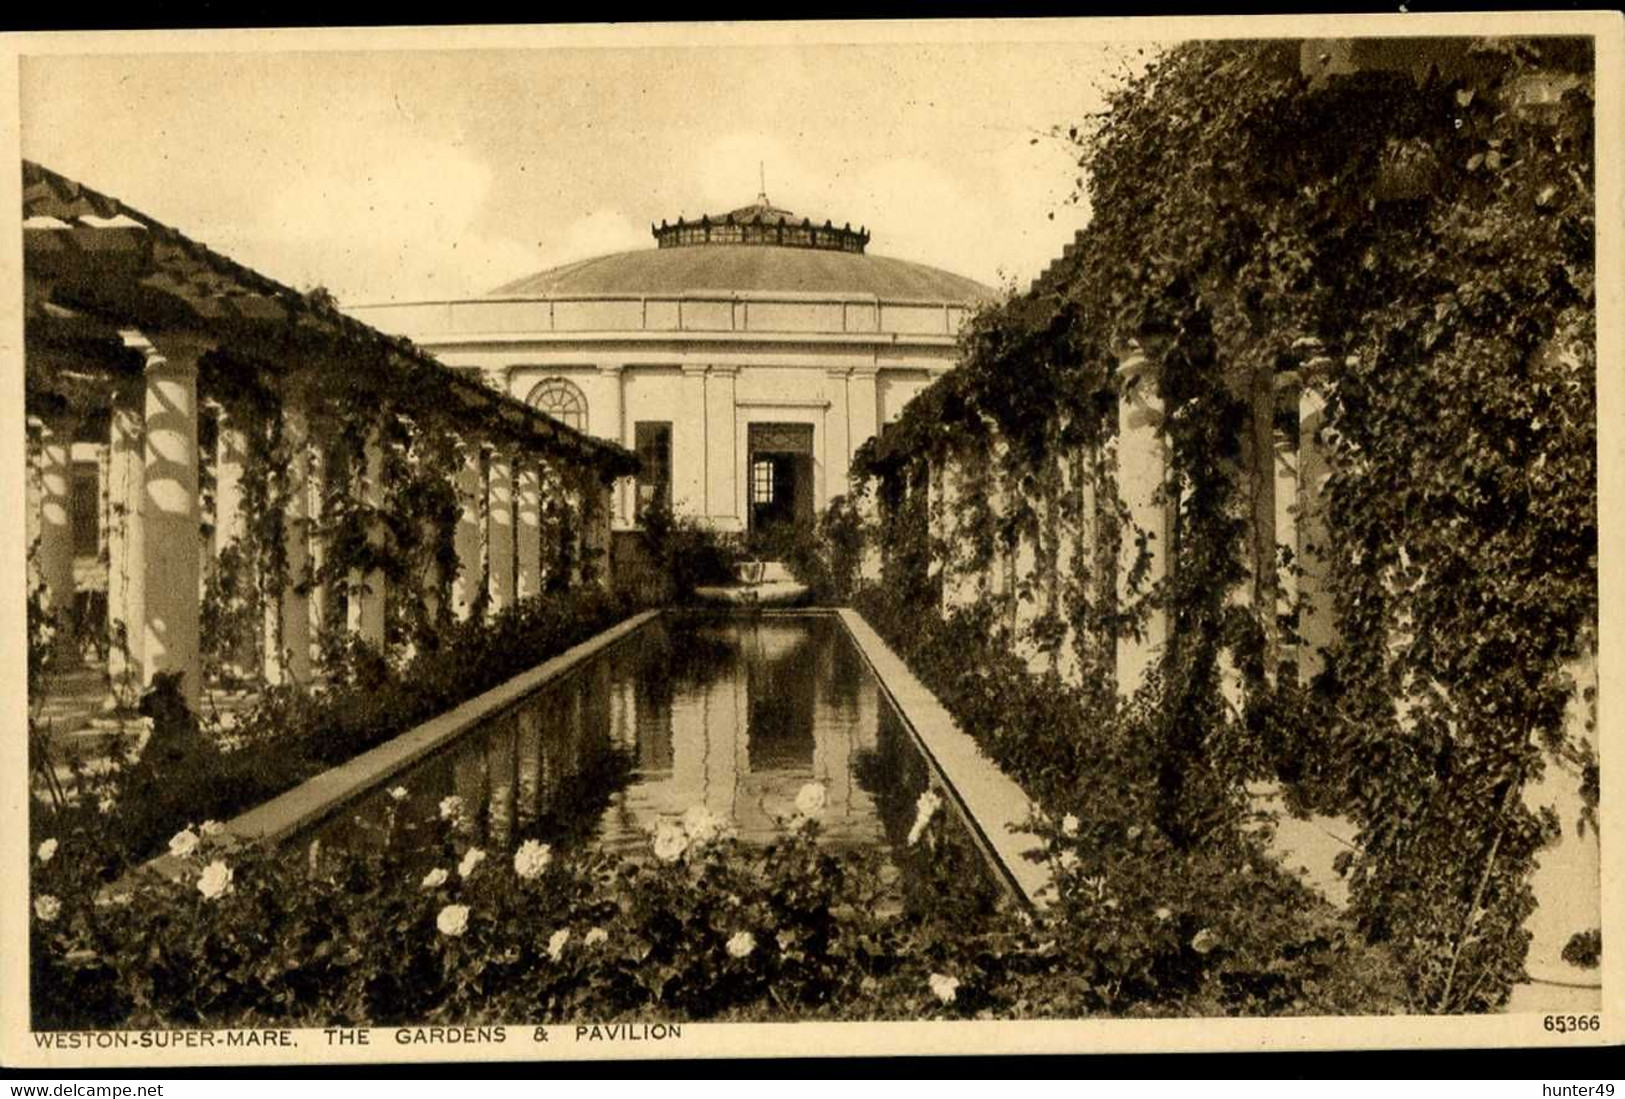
561	400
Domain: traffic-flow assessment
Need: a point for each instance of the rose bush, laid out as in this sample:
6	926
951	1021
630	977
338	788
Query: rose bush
243	936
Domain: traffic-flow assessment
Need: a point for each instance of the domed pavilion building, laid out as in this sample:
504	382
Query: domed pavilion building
744	358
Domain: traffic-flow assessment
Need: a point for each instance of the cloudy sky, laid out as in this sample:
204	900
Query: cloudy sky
393	174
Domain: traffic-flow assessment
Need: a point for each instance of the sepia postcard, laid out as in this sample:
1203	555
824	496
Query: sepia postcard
810	539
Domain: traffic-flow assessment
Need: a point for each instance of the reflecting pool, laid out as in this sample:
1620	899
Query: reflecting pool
733	713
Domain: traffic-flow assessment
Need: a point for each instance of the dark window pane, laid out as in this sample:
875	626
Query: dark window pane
653	442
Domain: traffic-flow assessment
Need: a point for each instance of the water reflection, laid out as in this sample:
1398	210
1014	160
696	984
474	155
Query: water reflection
732	713
736	714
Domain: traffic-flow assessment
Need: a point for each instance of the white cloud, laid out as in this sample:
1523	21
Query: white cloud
397	217
595	234
988	218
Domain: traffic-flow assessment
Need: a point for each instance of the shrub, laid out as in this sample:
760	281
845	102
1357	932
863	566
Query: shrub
1584	949
1083	756
685	553
824	556
249	937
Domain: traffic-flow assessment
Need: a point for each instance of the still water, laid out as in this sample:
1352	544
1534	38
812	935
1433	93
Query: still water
733	713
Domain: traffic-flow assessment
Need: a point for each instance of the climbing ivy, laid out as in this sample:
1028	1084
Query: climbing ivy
1412	239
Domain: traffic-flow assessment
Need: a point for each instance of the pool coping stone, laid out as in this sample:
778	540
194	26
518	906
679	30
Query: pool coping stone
993	804
322	795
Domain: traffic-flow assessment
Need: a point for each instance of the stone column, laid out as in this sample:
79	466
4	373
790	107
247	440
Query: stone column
612	426
1286	526
959	587
722	457
34	429
863	406
1317	623
1026	573
231	529
54	553
288	634
871	566
1142	471
468	537
367	594
499	532
169	521
104	481
231	452
527	528
315	497
126	559
596	500
575	534
838	434
688	444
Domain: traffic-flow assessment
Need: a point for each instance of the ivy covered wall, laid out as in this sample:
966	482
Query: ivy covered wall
1335	314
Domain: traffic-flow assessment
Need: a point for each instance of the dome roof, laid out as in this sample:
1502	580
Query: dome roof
759	248
746	268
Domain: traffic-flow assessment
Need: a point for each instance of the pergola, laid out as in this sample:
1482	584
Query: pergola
136	336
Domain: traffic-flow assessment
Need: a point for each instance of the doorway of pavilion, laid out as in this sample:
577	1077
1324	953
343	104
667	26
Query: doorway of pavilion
779	461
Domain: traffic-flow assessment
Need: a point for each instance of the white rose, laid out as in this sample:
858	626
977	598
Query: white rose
434	879
474	857
531	859
211	828
811	799
702	825
46	850
741	944
670	842
1069	825
183	843
1164	914
47	908
399	793
453	919
595	936
215	880
1069	860
555	945
451	807
106	805
944	987
1204	941
924	810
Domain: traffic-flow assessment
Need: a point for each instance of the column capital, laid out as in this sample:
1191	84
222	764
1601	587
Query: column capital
724	370
611	369
172	353
865	372
694	370
837	371
1132	360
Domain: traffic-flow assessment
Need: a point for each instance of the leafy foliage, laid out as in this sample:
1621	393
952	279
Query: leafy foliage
790	930
1409	235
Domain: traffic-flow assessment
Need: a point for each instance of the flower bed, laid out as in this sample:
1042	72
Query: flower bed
187	772
699	928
